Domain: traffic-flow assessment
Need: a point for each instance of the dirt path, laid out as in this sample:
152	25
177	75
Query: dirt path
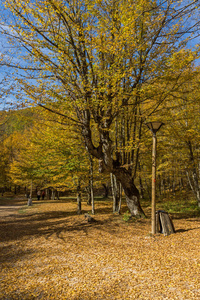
11	206
6	211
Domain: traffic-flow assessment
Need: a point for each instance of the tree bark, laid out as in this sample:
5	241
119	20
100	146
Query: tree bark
116	193
106	190
53	194
78	198
193	179
89	200
131	192
31	189
104	153
90	186
91	183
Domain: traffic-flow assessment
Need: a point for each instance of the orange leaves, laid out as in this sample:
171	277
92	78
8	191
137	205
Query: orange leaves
51	253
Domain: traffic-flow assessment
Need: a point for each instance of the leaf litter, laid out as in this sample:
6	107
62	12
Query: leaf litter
49	252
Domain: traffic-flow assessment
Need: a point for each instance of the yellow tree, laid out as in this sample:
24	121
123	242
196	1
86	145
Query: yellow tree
96	57
12	125
50	156
182	133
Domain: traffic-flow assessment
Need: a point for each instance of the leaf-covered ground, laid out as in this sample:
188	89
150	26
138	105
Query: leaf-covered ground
49	252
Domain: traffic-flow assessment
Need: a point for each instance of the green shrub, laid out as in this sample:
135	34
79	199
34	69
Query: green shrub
126	216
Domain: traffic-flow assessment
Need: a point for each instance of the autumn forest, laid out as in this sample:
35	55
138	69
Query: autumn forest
79	82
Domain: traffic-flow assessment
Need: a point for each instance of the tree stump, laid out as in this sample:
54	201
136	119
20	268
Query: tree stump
164	223
89	218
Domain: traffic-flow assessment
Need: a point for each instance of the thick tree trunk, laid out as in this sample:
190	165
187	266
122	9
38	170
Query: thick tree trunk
131	192
104	153
106	190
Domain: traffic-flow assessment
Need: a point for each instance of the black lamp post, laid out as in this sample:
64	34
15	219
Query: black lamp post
154	127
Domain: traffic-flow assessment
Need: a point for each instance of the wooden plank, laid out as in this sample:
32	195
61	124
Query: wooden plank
158	227
167	226
165	216
170	224
163	224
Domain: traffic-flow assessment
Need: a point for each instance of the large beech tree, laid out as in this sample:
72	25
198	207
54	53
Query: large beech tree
94	58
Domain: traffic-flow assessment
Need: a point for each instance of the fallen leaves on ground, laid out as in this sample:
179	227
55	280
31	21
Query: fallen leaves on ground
49	252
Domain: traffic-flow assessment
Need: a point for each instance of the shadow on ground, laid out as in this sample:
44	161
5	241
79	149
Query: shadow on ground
33	223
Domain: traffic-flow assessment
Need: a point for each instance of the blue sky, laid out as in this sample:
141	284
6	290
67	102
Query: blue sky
6	48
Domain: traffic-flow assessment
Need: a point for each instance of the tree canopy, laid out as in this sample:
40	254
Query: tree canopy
107	67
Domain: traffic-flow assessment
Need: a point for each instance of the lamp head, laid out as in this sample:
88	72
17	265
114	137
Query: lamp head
154	126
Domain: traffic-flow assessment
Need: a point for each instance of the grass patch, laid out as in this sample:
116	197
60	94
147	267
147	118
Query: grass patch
23	210
180	204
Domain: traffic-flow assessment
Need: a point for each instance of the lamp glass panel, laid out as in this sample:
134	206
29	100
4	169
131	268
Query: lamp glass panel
156	125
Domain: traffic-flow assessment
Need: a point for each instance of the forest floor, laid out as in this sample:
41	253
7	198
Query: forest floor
50	252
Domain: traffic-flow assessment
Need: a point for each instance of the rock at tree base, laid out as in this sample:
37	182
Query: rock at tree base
89	218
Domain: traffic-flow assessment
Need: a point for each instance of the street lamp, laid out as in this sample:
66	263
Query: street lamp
154	127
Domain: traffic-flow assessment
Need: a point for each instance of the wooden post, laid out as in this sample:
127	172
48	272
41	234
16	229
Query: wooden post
153	200
154	127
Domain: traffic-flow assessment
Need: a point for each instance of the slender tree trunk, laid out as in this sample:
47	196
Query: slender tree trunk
116	193
53	194
88	191
78	198
194	187
31	189
148	189
141	188
92	199
106	190
120	197
30	196
91	183
90	186
141	183
181	183
47	191
193	176
113	192
162	186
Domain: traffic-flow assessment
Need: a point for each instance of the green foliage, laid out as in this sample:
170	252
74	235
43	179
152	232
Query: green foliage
126	216
180	206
